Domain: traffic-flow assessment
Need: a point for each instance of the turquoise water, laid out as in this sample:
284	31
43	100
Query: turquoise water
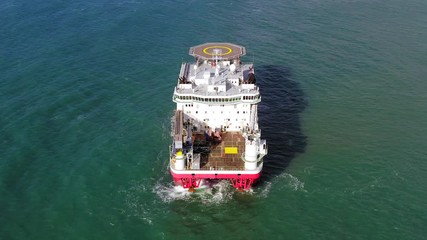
85	102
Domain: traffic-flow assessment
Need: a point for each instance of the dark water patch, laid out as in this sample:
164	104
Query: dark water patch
279	118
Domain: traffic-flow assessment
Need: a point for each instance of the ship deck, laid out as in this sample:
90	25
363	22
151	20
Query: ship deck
213	155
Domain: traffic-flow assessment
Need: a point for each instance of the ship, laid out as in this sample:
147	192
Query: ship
214	128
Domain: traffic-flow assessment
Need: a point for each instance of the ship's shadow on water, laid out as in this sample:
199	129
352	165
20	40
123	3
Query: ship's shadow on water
279	118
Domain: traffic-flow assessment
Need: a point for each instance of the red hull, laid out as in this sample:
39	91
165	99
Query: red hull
239	181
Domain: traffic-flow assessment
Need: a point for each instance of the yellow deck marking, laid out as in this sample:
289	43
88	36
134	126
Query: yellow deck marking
205	50
230	150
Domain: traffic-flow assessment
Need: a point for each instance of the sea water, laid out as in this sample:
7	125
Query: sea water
85	107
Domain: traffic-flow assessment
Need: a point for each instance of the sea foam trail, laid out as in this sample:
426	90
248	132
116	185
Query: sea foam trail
208	193
222	191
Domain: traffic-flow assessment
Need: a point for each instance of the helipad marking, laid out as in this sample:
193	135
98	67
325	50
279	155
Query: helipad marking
205	50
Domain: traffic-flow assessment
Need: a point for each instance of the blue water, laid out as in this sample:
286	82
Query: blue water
85	103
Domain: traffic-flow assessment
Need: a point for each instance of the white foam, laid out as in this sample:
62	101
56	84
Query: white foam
208	192
293	182
134	206
265	191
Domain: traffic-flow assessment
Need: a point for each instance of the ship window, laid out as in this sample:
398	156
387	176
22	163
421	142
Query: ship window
237	112
206	112
244	112
197	112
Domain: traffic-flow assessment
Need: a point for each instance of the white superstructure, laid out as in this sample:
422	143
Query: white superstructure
216	101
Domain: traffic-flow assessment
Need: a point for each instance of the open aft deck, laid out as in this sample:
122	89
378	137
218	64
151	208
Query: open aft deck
213	154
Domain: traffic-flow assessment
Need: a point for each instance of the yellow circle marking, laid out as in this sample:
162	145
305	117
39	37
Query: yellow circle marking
205	50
